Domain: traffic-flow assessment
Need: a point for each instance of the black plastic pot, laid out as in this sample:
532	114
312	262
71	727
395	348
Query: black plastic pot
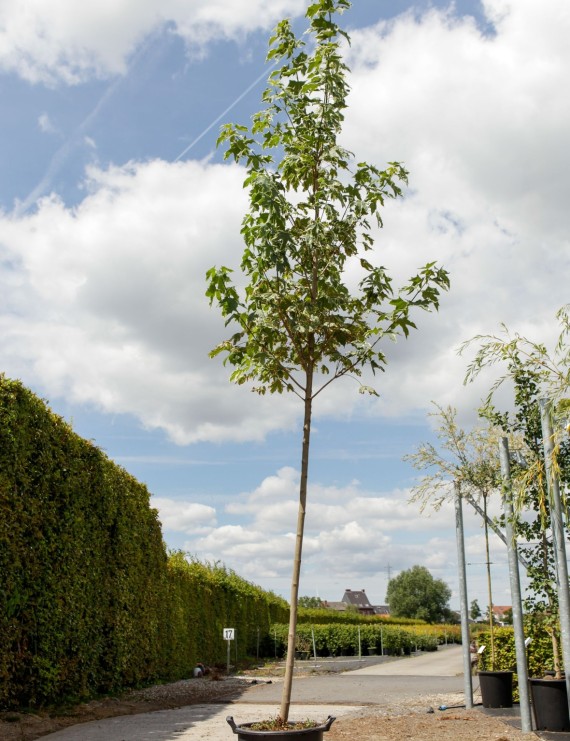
244	731
496	689
549	704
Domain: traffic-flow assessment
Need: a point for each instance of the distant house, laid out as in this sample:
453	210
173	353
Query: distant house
382	610
358	599
499	613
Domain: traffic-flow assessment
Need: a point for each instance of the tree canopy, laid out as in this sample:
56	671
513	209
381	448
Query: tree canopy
416	594
314	603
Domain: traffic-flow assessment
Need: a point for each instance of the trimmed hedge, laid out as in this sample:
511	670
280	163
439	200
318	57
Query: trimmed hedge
89	601
325	615
539	651
335	638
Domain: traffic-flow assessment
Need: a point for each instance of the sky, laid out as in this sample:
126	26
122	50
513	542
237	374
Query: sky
114	201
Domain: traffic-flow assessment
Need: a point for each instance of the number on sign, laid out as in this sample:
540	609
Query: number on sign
229	634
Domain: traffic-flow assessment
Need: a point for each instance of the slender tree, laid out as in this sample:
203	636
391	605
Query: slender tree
300	322
474	610
534	371
471	460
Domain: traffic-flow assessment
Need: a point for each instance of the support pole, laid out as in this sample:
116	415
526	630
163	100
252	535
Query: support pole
559	540
516	599
465	637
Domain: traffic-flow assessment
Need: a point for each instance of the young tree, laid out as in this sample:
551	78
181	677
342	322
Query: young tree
469	460
416	594
529	477
475	610
534	372
300	323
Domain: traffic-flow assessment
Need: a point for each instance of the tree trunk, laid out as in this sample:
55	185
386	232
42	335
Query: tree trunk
290	663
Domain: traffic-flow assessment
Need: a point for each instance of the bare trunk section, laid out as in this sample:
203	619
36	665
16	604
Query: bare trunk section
291	640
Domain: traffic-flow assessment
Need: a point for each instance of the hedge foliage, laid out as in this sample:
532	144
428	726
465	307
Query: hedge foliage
539	651
342	638
90	602
323	615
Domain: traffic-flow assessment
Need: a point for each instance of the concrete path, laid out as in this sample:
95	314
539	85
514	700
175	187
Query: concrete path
318	696
447	661
190	723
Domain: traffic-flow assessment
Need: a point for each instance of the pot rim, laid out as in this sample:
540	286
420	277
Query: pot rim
241	727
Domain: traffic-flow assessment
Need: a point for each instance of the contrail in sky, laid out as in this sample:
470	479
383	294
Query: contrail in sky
77	137
223	113
75	140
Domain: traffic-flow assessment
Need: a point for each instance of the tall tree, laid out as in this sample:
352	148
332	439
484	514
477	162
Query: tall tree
300	322
416	594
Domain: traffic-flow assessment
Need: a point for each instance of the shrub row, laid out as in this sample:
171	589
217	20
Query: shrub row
332	639
539	651
89	601
323	616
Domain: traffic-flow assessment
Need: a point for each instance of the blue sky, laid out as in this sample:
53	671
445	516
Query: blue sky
114	202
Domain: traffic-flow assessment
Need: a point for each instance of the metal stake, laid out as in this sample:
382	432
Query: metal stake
465	637
520	648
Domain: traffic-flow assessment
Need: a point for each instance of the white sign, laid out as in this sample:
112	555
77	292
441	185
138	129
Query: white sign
229	634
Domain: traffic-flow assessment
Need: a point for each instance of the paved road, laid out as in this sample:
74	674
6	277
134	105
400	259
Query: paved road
380	684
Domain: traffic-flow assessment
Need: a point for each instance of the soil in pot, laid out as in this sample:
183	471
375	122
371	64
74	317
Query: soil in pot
245	732
549	704
496	689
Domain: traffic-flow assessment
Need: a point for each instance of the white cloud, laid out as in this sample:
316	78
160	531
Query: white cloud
69	41
46	125
480	122
186	517
105	302
352	537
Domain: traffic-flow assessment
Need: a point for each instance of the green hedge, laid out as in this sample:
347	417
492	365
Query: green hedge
335	639
324	616
538	653
89	601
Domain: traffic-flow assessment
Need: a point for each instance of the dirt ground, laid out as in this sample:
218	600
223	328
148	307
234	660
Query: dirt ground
411	723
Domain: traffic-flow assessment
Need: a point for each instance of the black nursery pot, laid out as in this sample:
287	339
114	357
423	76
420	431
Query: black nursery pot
244	732
549	704
496	689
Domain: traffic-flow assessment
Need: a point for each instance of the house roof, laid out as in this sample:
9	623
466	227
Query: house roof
357	598
381	609
501	609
